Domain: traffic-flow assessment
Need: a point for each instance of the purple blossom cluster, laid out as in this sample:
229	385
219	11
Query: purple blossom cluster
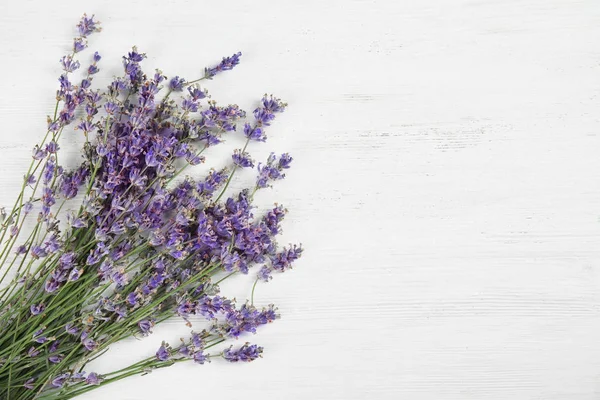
248	352
125	241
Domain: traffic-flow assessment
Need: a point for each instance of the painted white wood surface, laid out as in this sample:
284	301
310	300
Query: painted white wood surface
446	186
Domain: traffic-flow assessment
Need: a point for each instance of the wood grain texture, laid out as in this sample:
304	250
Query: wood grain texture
446	186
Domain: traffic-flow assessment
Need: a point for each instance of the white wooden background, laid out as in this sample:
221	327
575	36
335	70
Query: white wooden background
446	186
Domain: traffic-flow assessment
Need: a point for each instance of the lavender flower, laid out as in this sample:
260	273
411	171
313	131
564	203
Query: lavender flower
176	84
37	309
246	353
33	352
38	153
55	359
146	326
272	169
68	64
163	353
52	147
225	65
71	329
29	384
93	379
38	252
242	159
79	44
283	261
199	357
264	274
196	93
60	380
87	26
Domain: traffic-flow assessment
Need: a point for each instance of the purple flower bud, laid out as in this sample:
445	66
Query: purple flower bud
37	309
197	341
68	64
110	108
265	274
54	346
77	377
118	228
87	342
48	197
93	379
194	159
156	238
30	179
71	329
79	44
285	160
176	84
22	249
132	299
52	244
254	133
199	357
60	380
151	159
79	223
41	339
87	26
263	117
14	230
146	326
181	150
185	351
283	261
67	260
56	358
242	159
135	56
38	252
189	105
75	274
225	65
86	126
273	104
85	84
49	170
271	171
120	278
29	384
51	285
33	352
246	353
163	353
196	93
38	153
27	207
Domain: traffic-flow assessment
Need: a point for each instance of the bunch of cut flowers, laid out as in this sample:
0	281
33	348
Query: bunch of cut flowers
123	241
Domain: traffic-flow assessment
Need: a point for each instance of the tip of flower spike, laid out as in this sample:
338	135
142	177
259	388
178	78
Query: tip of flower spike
134	55
246	353
228	63
87	26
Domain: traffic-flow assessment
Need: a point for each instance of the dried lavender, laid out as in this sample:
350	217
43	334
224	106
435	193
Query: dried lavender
119	244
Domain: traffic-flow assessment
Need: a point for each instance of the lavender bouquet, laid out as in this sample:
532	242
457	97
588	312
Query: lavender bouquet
123	241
